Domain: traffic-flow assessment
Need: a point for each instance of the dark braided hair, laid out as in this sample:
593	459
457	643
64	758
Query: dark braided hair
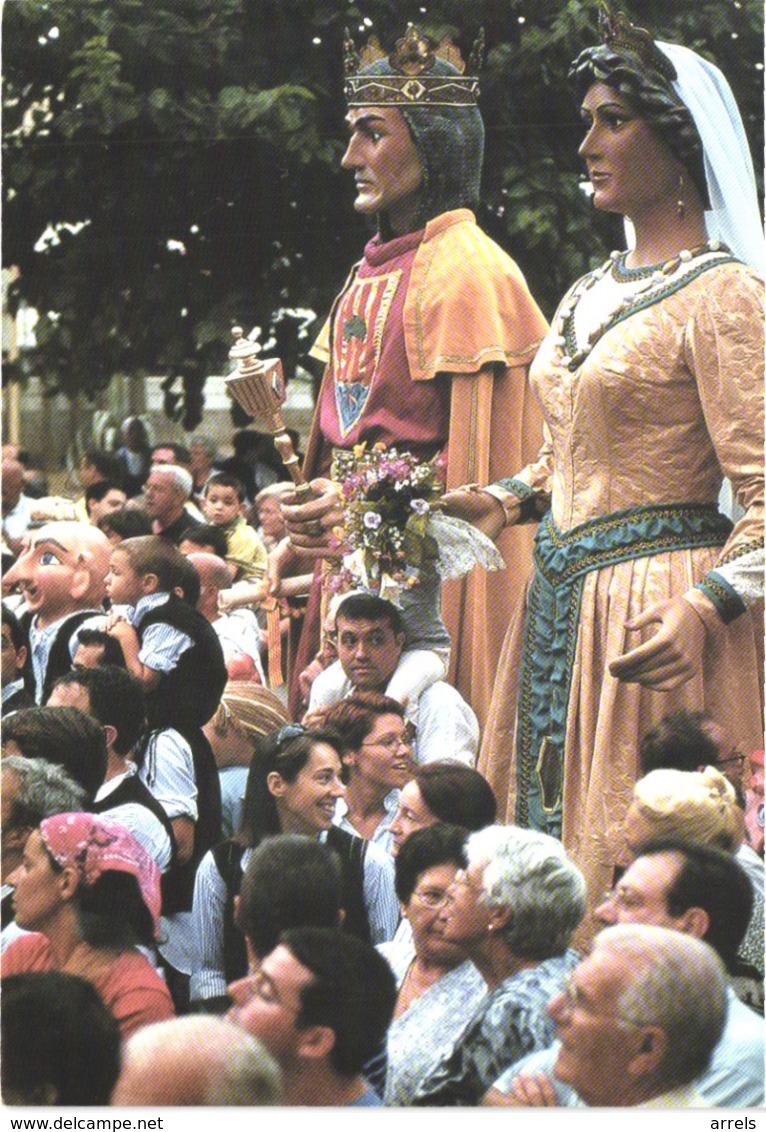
652	96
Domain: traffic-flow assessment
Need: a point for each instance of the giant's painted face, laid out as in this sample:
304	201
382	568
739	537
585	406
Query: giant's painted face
62	570
631	169
387	169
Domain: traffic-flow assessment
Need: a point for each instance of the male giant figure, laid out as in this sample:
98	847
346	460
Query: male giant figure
427	346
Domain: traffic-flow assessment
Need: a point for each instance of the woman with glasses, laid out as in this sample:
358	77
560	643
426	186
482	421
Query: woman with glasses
438	988
293	786
511	911
374	745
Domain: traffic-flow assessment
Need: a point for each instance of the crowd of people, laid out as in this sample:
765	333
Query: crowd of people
501	845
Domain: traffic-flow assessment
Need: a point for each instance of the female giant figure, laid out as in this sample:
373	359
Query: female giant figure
643	595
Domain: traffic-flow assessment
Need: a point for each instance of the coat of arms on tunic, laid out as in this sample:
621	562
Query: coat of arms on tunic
361	316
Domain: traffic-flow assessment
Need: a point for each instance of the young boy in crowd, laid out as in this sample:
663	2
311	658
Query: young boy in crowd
167	644
245	552
207	539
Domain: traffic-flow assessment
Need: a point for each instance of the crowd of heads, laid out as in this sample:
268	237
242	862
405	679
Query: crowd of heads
314	1010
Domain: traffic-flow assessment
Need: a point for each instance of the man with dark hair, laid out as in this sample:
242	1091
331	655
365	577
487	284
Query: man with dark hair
114	698
65	736
321	1002
95	648
370	641
102	498
131	522
686	885
700	891
170	452
60	1044
290	881
369	607
690	740
98	466
14	663
207	539
111	696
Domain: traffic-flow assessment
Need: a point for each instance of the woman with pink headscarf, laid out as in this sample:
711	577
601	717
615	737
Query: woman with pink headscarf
89	895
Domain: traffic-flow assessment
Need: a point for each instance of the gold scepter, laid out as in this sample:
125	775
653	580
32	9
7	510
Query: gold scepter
259	388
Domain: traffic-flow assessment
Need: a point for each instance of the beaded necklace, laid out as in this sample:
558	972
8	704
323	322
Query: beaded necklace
654	282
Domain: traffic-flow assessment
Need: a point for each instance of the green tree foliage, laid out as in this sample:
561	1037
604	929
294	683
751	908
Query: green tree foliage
183	157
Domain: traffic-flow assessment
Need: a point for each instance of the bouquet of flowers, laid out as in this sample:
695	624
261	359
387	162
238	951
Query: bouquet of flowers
387	497
391	528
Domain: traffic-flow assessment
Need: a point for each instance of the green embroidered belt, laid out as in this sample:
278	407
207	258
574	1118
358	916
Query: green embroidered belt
562	561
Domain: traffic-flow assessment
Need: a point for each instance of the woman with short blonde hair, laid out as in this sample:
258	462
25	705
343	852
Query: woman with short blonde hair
695	805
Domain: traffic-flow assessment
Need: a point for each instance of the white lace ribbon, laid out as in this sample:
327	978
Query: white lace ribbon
461	546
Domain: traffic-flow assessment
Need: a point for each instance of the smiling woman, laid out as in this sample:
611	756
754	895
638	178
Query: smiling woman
443	791
511	911
293	786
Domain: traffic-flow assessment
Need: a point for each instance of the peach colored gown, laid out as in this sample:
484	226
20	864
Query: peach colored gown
637	437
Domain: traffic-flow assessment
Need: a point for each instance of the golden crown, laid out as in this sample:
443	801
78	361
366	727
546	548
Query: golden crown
617	31
412	84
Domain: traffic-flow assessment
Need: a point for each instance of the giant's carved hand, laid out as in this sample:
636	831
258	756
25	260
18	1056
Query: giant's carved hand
672	655
310	525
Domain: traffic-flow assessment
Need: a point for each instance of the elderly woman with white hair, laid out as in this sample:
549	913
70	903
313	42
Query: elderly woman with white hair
512	911
699	806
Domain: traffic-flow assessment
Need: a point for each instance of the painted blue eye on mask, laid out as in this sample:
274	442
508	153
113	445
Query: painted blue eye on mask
48	558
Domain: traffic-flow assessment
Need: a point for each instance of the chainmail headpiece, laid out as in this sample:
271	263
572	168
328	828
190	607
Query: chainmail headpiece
438	103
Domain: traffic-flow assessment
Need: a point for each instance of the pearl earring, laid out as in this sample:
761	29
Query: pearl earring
680	203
